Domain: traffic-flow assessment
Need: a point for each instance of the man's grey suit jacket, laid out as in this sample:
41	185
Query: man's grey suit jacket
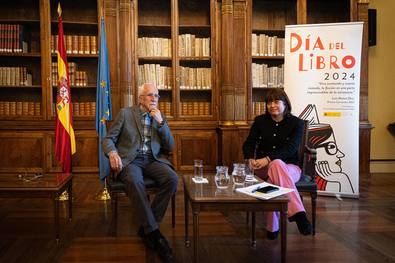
125	137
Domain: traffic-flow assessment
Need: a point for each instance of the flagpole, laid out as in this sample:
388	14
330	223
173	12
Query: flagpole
104	195
102	10
64	132
103	108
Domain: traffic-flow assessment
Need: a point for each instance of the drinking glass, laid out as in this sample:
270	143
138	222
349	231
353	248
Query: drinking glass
238	173
198	169
222	179
249	171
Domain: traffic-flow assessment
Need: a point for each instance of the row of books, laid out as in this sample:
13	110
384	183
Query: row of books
84	108
155	73
165	107
11	39
195	78
76	44
20	108
264	76
258	107
77	78
195	108
264	45
80	109
30	108
191	46
154	47
15	76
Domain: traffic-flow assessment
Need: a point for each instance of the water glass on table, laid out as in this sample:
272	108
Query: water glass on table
238	173
222	179
249	171
198	170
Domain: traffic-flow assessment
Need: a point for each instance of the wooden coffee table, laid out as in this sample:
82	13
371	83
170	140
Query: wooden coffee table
206	197
30	186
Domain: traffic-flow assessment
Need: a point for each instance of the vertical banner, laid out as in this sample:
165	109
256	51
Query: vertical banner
322	78
103	101
64	132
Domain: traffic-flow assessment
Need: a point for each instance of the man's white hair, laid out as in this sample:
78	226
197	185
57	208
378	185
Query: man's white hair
141	88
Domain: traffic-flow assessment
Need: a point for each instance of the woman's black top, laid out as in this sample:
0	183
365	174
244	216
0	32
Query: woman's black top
278	140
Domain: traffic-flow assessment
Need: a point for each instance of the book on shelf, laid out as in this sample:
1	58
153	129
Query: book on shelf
12	38
154	47
192	46
155	73
265	45
267	77
20	108
76	44
14	76
193	108
195	78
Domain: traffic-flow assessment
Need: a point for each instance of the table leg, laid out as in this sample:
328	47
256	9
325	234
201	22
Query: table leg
283	232
253	236
56	217
186	206
70	192
195	235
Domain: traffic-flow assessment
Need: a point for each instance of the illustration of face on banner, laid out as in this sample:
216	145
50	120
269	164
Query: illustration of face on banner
322	78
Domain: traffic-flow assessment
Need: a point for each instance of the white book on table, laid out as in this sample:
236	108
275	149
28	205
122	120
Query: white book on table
252	191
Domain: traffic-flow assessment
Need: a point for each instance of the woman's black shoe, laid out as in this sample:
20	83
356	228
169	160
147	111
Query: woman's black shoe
272	235
302	222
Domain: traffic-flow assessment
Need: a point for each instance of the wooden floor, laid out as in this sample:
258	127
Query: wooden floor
348	230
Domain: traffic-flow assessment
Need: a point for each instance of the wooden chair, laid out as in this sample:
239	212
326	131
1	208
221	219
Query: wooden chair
306	183
116	187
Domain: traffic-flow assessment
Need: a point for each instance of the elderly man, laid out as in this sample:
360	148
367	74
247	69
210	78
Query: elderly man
136	145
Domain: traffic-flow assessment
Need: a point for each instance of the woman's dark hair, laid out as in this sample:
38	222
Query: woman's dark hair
279	94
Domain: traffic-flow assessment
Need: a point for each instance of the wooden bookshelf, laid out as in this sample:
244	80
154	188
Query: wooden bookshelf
20	63
208	123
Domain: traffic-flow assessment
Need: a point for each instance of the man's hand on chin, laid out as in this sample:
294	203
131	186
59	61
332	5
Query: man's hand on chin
155	113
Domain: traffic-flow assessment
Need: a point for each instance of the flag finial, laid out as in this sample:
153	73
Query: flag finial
59	10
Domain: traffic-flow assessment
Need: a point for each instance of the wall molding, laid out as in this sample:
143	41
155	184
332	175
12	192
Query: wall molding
382	166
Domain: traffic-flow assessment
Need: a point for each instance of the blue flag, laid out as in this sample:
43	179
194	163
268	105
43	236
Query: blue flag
103	101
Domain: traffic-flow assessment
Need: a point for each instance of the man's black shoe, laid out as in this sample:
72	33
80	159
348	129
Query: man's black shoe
150	239
140	232
164	250
156	241
302	222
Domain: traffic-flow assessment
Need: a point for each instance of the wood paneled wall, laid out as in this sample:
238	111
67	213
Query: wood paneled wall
217	139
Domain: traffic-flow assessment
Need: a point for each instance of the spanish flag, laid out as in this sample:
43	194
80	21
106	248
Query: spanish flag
64	133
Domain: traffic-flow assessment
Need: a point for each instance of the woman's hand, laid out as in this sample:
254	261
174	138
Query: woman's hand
259	163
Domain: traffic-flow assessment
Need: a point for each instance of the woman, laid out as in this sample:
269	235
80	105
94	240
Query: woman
272	150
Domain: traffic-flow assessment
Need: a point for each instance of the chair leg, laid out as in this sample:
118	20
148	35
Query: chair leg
253	234
313	208
173	210
114	220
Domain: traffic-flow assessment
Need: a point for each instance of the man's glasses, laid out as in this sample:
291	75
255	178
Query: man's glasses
152	95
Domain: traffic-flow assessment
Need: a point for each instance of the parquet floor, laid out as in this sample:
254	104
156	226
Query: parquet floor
348	230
